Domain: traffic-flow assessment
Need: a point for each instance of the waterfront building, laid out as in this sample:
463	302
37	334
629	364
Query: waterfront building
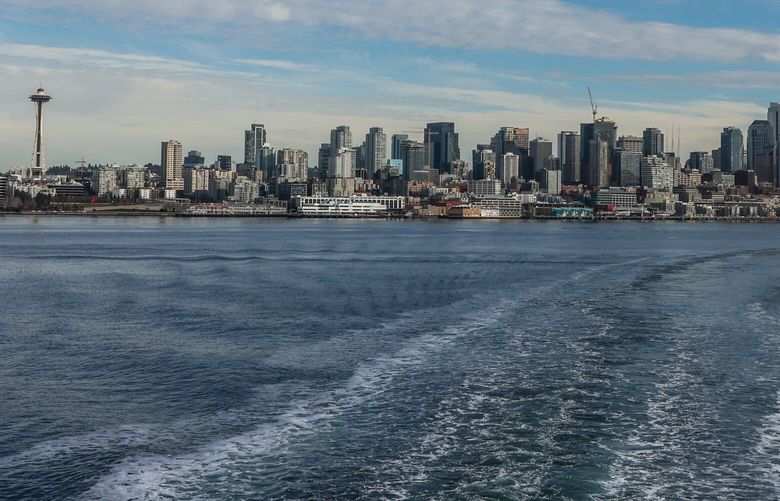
171	162
105	181
443	141
5	191
482	187
731	149
244	190
132	177
615	196
652	142
569	155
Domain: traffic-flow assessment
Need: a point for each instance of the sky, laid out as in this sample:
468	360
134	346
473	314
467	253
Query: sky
128	74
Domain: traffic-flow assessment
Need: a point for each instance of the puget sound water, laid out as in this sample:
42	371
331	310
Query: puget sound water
148	358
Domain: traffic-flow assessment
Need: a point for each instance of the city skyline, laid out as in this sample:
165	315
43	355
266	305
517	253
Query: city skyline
120	90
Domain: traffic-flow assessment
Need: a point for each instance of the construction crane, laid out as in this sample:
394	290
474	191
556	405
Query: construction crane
428	143
593	105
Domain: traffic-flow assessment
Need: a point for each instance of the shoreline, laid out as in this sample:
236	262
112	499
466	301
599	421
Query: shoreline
148	214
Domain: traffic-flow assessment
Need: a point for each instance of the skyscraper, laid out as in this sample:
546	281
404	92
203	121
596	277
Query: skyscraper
627	166
761	150
171	163
444	143
483	163
194	159
224	162
598	161
701	161
656	173
376	150
413	154
774	119
652	142
323	162
254	139
340	139
731	148
510	169
539	150
604	129
633	144
395	154
569	153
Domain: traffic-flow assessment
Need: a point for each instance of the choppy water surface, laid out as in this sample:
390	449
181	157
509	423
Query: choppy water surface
232	359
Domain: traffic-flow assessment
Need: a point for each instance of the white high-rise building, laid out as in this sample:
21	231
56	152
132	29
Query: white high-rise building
510	169
376	150
171	161
656	173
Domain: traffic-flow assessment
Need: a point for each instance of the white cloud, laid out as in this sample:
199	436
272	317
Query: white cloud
542	26
272	63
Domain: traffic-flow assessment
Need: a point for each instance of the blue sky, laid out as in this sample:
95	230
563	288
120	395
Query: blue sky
127	74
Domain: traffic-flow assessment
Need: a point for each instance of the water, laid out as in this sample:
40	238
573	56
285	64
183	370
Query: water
248	359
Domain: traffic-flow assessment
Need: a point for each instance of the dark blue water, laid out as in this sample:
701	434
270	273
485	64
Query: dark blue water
249	359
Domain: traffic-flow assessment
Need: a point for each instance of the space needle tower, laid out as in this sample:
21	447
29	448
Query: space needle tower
38	167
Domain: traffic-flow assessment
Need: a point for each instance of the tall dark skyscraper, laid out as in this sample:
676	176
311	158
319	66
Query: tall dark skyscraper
761	150
731	149
652	142
395	146
444	142
569	152
539	150
773	115
414	156
603	129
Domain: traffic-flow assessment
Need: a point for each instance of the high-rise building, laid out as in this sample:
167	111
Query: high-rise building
265	160
627	166
731	147
632	144
414	157
652	142
598	162
323	161
254	139
376	151
701	161
539	151
569	154
773	115
444	143
483	163
397	139
196	182
510	169
5	196
604	129
340	139
656	173
171	162
224	162
292	164
510	140
551	181
194	159
761	150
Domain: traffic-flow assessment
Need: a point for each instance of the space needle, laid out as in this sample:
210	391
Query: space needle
38	167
